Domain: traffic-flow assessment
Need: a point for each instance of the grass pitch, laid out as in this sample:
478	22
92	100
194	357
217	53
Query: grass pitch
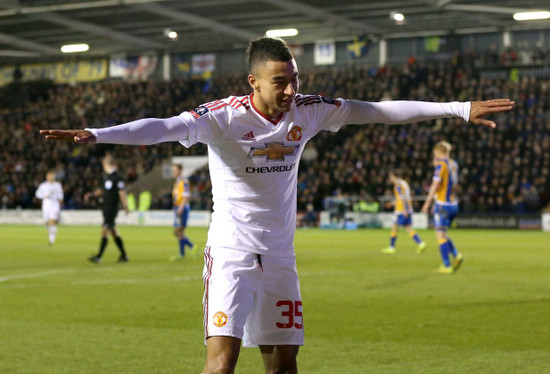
364	312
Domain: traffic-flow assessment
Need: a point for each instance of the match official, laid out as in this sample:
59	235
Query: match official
113	192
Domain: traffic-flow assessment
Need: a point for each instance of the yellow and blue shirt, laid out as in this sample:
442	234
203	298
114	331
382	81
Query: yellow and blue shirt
180	191
446	172
402	194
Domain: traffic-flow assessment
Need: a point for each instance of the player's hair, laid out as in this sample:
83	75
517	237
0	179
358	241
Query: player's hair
267	49
443	147
179	166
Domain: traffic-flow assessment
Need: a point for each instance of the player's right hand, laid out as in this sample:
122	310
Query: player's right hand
77	136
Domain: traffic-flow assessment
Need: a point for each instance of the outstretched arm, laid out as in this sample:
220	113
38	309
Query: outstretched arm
397	112
141	132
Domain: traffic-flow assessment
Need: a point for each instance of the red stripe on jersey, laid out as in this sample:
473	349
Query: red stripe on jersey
246	102
309	102
221	105
307	99
212	103
312	102
235	103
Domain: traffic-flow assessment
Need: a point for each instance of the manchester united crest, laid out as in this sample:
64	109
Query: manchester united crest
295	134
219	319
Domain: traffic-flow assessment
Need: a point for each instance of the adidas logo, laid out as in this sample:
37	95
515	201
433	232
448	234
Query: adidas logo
249	136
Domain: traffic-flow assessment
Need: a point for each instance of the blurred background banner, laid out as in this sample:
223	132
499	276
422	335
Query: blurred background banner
135	67
59	72
325	52
359	47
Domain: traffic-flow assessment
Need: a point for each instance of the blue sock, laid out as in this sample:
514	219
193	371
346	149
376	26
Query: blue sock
415	237
188	242
182	247
453	248
445	249
392	241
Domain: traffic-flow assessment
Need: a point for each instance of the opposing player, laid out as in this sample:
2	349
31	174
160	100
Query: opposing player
254	146
181	194
113	193
51	194
446	205
402	212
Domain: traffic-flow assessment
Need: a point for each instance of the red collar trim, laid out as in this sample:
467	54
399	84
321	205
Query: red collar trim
273	121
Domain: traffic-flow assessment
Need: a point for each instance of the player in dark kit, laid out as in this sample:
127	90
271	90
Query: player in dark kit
113	193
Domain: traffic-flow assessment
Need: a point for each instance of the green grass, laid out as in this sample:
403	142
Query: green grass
364	312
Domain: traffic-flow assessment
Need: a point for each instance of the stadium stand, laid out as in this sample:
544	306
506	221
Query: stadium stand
499	173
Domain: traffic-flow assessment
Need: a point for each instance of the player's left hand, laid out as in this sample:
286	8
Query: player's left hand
77	136
480	109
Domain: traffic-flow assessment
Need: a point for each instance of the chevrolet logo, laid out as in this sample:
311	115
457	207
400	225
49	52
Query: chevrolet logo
274	151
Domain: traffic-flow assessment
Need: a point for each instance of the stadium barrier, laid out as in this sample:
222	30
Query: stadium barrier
499	221
369	220
201	218
197	218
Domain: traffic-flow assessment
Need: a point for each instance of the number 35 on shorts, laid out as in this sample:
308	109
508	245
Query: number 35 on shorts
291	311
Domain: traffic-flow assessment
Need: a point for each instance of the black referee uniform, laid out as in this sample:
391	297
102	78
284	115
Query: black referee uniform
112	185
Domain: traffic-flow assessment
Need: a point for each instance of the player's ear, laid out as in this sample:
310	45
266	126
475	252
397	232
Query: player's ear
253	82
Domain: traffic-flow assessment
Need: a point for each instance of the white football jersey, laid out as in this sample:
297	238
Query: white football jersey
51	194
253	163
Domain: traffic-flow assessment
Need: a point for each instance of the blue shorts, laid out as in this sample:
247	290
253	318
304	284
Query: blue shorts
401	220
180	220
444	215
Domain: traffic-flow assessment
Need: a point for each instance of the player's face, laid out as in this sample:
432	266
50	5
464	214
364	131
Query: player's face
439	154
175	172
50	177
275	85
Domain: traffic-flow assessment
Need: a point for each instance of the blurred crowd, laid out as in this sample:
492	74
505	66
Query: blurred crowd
502	170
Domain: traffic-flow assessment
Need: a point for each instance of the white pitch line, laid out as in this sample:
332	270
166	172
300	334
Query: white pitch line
7	278
135	281
35	275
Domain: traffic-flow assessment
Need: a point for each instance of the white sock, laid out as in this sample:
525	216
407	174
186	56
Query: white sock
52	231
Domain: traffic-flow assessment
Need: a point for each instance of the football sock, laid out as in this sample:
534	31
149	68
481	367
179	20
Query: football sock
52	231
454	252
188	242
120	245
102	246
393	239
445	249
415	237
182	246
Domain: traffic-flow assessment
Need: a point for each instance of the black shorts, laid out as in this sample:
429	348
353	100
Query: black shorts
109	216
